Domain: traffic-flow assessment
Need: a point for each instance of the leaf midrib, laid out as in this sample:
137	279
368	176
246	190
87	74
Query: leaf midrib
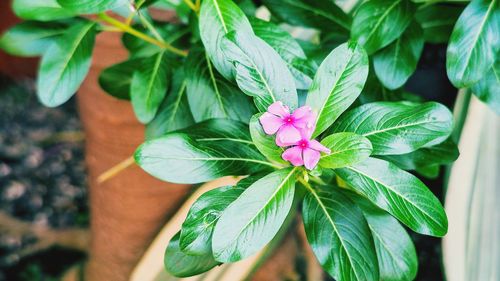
333	88
319	12
177	103
219	14
398	127
152	78
260	74
281	185
216	87
327	214
389	187
480	31
381	19
213	159
70	56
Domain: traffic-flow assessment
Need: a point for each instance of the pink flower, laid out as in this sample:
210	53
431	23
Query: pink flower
288	126
305	152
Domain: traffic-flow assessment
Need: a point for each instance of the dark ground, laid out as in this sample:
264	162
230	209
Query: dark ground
42	178
42	174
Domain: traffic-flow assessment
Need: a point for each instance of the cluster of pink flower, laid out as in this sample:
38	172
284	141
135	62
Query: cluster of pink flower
294	130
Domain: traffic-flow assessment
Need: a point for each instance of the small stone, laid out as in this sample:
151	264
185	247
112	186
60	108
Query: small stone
14	190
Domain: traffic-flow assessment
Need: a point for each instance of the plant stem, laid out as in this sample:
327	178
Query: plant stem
115	170
191	5
128	29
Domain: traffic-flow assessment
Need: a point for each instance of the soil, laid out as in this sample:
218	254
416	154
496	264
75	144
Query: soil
42	178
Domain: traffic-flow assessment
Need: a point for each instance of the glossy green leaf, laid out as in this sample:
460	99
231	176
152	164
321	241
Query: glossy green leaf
149	86
174	113
288	49
323	15
197	229
253	219
203	152
116	79
217	18
30	39
398	127
339	235
398	192
337	84
265	144
488	88
379	22
40	10
260	71
91	6
65	64
181	264
474	43
210	95
346	149
437	21
443	153
397	258
396	63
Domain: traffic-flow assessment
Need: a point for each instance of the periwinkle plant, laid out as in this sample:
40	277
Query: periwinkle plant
223	93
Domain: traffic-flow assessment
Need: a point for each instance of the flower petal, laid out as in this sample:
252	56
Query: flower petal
293	155
316	145
270	123
311	158
288	135
302	111
279	109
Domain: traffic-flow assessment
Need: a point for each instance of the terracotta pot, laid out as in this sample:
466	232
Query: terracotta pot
14	67
128	209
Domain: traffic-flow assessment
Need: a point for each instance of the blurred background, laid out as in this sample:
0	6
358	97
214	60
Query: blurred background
44	183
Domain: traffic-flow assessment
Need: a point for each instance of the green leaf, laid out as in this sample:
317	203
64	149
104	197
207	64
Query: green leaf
174	113
288	49
474	43
30	39
323	15
116	79
337	84
203	152
488	88
253	219
197	229
181	264
396	63
443	153
149	86
65	64
210	95
260	71
398	192
40	10
218	18
346	149
398	127
437	22
397	258
91	6
265	144
339	235
379	22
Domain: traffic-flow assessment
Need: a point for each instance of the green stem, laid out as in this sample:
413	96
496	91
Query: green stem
130	30
191	5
